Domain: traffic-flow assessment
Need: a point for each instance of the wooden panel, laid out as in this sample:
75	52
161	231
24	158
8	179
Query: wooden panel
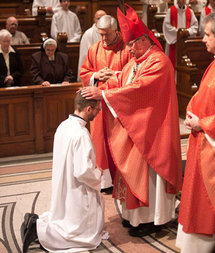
4	120
30	115
16	125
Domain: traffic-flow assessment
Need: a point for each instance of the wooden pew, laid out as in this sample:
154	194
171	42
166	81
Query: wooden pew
31	26
192	61
72	49
30	115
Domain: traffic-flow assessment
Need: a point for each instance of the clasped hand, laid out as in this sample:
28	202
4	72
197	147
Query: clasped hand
192	122
104	74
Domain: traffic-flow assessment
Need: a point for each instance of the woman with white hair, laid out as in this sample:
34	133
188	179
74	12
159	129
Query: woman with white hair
49	66
11	68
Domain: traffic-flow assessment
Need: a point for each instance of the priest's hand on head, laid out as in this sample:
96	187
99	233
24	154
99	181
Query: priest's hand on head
91	92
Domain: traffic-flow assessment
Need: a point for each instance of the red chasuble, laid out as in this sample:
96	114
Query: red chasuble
197	208
146	132
174	22
99	56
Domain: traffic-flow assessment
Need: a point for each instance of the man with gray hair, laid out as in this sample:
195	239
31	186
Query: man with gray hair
104	58
18	38
90	37
196	230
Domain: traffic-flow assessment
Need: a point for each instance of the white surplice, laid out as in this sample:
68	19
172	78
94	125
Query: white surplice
55	4
75	221
170	32
201	22
90	37
68	22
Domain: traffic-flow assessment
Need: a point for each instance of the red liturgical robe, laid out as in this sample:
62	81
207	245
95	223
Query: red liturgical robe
197	208
99	56
147	127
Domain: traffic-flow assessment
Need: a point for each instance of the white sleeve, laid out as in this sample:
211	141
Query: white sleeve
56	6
34	8
169	31
54	29
109	106
77	30
201	23
194	25
85	170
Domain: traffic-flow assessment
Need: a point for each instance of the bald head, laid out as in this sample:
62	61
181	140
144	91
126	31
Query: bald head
11	24
98	15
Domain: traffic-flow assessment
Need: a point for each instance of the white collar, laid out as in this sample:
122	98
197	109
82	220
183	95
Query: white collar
10	50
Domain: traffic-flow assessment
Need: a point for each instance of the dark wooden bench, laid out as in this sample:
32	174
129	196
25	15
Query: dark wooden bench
192	61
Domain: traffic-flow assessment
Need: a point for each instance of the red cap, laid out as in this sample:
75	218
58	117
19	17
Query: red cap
132	27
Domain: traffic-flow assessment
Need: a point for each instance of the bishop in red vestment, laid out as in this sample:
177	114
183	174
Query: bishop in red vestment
142	130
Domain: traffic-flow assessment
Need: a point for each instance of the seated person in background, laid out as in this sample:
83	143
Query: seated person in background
90	37
49	66
66	21
206	11
52	6
11	68
178	16
18	38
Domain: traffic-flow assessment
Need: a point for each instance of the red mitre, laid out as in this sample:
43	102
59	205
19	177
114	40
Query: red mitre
132	26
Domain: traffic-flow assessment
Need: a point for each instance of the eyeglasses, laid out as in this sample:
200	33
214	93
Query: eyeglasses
131	43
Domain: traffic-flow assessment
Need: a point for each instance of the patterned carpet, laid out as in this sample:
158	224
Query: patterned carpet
25	185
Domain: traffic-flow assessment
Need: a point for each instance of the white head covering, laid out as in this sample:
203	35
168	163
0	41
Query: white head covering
49	41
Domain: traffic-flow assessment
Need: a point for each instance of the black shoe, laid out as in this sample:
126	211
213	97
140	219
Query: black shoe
30	232
25	223
126	224
144	230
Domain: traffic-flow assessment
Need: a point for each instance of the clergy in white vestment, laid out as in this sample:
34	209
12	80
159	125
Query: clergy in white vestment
207	10
75	221
178	16
90	37
52	6
66	21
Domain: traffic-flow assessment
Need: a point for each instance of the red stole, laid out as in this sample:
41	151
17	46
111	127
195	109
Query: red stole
174	22
207	10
